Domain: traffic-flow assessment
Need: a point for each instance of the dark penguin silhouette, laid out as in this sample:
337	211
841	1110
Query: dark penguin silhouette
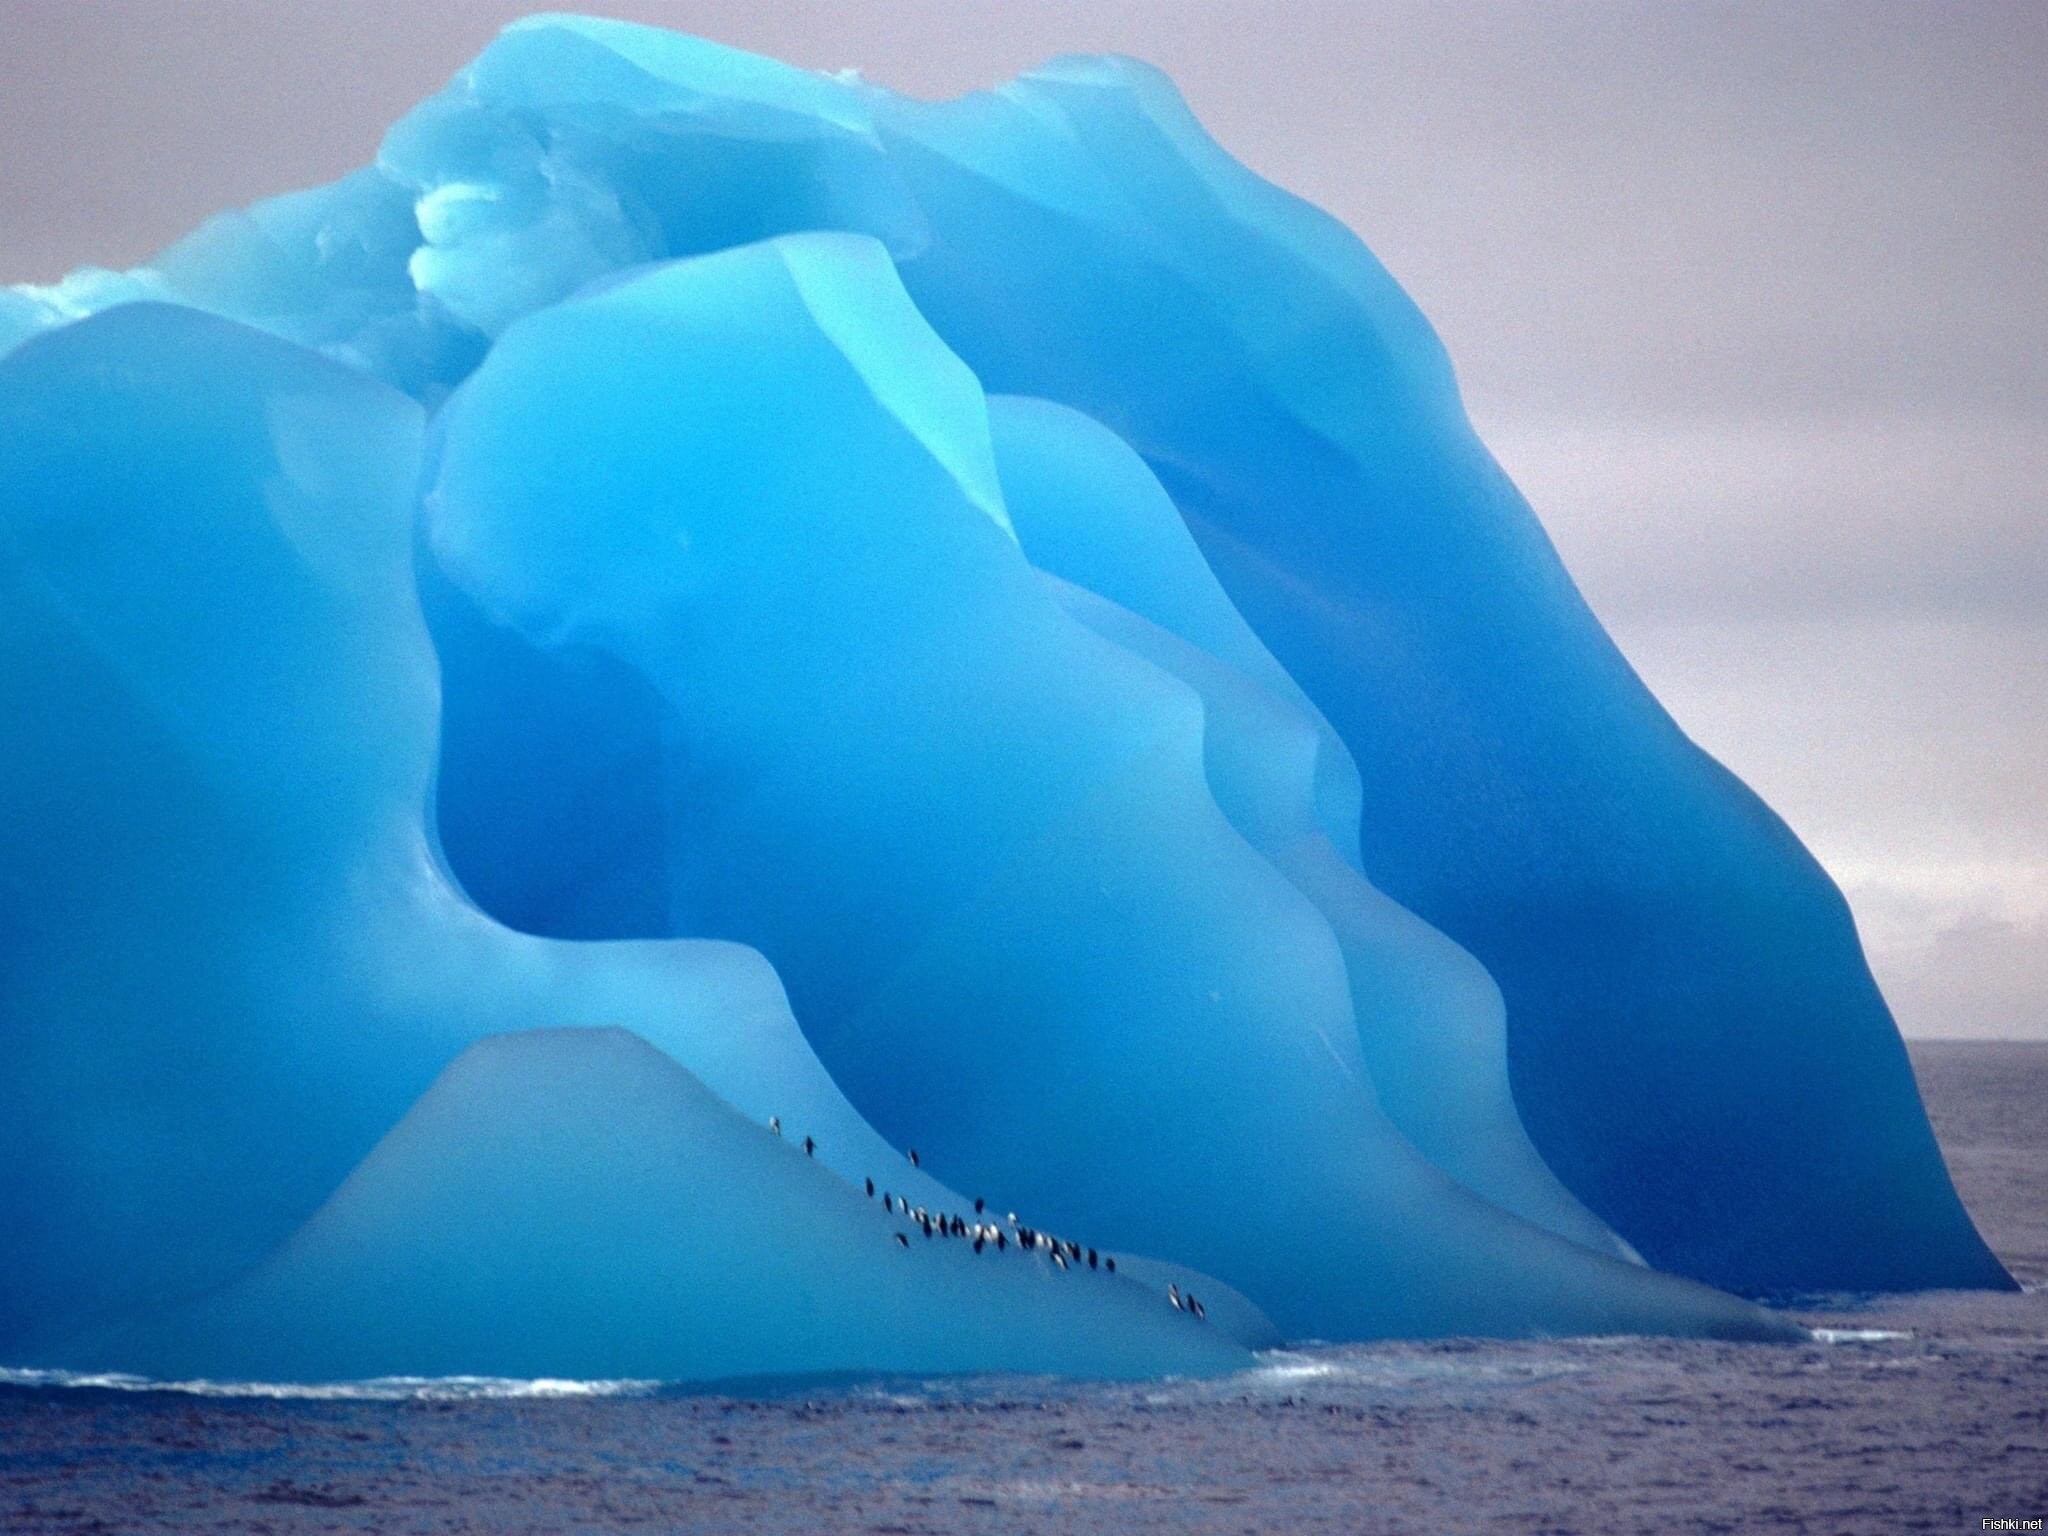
1091	1258
978	1242
1201	1311
1110	1265
915	1160
871	1187
1002	1242
810	1147
980	1205
903	1239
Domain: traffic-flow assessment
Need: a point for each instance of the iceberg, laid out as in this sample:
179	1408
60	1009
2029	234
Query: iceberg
693	594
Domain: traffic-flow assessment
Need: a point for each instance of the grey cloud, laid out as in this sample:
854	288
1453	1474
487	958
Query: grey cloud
1752	518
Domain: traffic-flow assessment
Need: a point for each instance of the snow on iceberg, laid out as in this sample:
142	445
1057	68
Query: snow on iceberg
1024	579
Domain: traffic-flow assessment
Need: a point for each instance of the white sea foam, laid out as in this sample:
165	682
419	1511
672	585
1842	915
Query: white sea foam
376	1389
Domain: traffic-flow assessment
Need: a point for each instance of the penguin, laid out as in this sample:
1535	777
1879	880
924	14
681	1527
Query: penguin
1201	1312
1173	1295
915	1160
871	1187
775	1124
1073	1249
1013	1218
980	1205
1091	1258
810	1147
1059	1259
978	1242
1110	1265
903	1239
1002	1242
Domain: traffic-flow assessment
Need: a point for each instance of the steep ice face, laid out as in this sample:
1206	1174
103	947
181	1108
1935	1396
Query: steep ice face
1696	1044
575	1205
1023	575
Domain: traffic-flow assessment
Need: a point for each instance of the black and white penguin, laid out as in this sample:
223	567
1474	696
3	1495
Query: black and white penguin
775	1124
903	1239
915	1160
810	1147
1173	1295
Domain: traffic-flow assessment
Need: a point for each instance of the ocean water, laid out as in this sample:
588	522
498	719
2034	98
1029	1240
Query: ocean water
1925	1413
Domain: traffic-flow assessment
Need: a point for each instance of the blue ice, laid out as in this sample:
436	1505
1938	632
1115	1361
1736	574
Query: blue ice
977	626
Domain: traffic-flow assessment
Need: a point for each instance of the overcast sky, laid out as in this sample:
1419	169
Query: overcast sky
1749	298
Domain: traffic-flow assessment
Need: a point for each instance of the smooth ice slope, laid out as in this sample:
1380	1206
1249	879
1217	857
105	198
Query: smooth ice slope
977	839
575	1205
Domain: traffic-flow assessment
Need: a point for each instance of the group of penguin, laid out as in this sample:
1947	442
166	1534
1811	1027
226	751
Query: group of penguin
1064	1252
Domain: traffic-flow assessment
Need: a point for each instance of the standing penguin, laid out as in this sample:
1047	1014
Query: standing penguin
1173	1295
915	1160
775	1124
871	1187
810	1147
